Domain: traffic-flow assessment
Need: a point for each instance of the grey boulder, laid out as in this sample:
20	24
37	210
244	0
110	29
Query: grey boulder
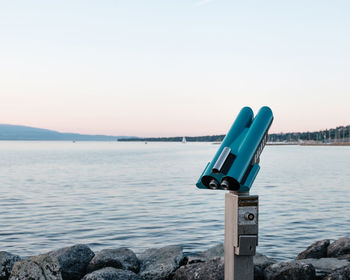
262	261
213	269
258	273
293	270
344	257
340	274
42	267
122	258
189	272
111	273
339	247
214	252
316	250
158	264
218	252
7	261
209	270
326	266
73	260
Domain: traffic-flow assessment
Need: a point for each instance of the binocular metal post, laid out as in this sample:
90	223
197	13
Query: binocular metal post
241	235
234	168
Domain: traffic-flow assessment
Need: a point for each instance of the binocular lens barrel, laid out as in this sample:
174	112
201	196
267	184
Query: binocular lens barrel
213	184
230	184
225	185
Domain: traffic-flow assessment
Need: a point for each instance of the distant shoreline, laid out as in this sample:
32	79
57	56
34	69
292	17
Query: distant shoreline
307	144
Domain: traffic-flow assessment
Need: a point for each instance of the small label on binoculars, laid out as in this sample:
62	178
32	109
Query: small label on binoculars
248	201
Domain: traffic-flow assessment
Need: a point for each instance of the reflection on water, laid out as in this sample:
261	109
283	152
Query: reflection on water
111	194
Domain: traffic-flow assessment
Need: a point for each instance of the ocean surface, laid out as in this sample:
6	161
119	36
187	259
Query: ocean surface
112	194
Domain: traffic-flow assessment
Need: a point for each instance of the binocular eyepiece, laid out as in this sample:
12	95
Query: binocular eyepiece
236	163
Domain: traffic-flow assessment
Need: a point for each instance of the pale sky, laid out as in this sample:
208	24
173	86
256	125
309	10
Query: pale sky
173	67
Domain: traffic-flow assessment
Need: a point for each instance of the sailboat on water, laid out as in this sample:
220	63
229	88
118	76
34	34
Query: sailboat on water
183	140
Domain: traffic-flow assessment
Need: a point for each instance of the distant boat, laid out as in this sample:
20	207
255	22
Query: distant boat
183	140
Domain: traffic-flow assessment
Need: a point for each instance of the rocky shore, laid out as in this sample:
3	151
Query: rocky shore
322	260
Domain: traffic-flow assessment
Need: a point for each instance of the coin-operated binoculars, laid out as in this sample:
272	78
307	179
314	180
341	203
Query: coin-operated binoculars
234	168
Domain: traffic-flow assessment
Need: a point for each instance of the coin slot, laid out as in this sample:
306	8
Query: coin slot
249	216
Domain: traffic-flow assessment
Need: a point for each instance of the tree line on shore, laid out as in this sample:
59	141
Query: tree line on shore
338	134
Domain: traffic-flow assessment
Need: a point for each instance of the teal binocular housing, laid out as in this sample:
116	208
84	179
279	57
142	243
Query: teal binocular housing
236	163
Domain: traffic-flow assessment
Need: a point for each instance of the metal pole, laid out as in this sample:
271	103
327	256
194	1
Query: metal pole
241	235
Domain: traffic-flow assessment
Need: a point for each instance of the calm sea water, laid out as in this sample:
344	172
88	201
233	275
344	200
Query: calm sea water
111	194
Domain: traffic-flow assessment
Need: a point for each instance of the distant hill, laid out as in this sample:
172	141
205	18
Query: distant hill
20	132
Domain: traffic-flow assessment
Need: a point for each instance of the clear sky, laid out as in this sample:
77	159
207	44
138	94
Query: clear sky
173	67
